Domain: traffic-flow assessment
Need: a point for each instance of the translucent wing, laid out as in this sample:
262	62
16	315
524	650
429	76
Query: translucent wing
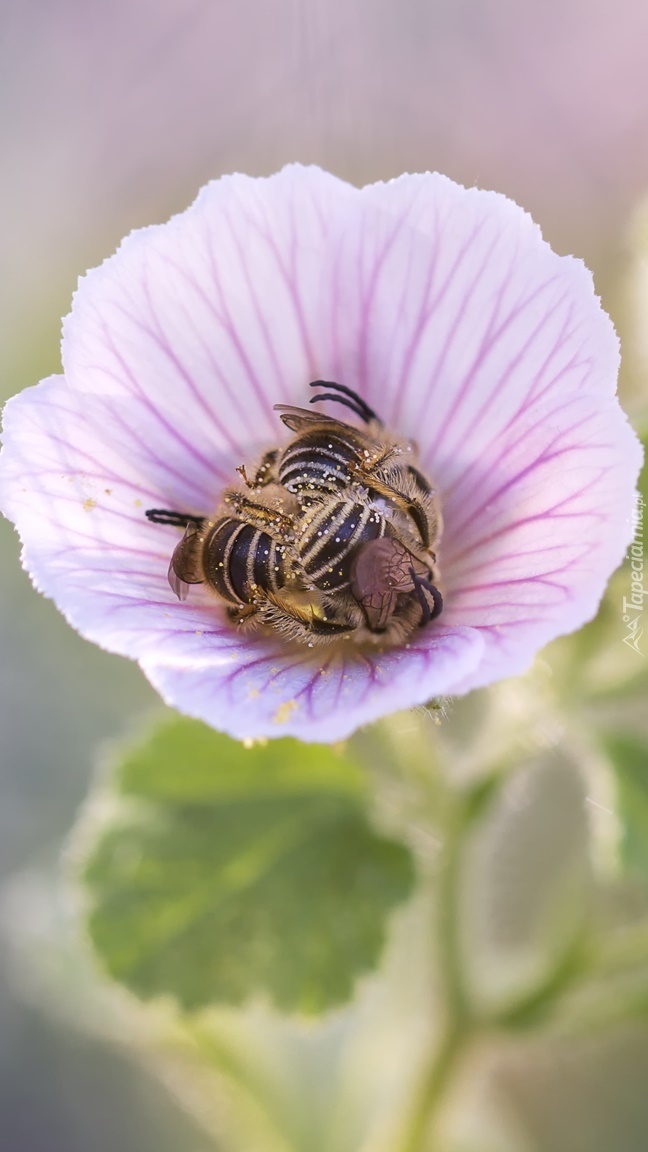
185	567
381	569
298	419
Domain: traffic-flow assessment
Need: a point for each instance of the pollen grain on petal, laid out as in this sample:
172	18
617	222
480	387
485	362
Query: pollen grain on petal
285	711
474	367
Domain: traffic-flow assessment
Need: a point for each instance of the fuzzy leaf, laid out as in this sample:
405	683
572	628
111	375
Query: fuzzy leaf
225	872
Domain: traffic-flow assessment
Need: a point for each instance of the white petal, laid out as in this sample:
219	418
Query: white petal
195	328
79	503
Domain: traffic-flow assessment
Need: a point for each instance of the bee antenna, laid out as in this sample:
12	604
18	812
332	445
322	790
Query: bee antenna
420	583
175	519
340	400
357	404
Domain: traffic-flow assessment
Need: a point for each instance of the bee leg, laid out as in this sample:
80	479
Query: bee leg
261	515
354	402
241	615
365	473
263	474
298	621
175	519
421	586
312	632
406	504
330	628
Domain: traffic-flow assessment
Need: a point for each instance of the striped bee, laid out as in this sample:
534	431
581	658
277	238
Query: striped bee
327	456
330	536
247	555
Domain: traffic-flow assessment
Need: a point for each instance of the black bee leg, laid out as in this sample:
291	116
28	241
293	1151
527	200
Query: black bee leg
330	628
175	519
421	586
354	402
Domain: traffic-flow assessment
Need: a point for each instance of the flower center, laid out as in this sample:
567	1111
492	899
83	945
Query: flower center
330	536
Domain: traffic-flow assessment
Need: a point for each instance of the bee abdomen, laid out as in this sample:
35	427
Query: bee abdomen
330	538
319	461
239	558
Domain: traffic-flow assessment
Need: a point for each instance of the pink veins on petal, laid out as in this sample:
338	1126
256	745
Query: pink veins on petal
444	309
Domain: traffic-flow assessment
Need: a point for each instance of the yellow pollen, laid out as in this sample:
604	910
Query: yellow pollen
284	712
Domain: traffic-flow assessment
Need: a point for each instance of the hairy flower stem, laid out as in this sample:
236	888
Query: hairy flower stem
436	1077
461	1027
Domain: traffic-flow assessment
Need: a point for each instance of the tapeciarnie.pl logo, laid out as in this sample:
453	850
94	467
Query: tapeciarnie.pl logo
633	605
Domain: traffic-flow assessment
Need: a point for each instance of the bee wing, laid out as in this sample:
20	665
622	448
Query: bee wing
379	571
297	419
379	608
184	568
180	587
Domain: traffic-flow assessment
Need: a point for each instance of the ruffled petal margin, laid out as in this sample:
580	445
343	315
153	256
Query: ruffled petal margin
320	697
446	310
457	322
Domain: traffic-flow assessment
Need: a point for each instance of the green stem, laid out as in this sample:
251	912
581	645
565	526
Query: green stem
460	1025
434	1082
618	1009
259	1109
536	1007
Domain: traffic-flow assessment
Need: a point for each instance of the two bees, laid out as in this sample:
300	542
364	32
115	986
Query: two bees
331	536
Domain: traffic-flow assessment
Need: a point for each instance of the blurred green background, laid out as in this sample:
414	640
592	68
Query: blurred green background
113	114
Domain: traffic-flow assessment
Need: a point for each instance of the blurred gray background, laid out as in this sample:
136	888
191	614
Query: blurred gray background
112	115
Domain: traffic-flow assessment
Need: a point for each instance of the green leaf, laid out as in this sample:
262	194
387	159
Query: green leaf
224	872
629	757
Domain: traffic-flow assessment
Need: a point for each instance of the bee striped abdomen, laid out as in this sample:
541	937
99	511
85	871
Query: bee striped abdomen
319	461
330	539
239	559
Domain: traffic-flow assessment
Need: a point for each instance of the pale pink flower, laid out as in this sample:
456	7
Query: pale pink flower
443	307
